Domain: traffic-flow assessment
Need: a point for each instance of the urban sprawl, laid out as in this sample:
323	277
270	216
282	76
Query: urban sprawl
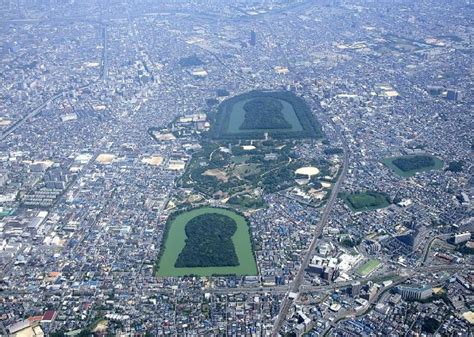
331	141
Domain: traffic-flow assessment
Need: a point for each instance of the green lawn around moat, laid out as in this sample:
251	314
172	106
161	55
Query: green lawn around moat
409	165
176	241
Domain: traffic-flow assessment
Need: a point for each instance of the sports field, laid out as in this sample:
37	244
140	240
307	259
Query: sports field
368	267
175	243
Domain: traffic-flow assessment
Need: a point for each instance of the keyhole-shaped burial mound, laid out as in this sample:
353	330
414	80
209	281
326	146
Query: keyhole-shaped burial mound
209	242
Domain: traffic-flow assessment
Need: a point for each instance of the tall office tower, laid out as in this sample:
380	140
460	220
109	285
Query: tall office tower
355	288
253	38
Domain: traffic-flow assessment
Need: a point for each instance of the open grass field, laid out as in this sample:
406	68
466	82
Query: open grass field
365	201
218	174
246	170
368	267
175	243
407	166
239	159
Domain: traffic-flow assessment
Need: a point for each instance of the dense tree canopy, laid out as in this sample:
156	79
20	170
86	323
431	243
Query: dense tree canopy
246	201
414	162
190	61
333	150
455	166
369	199
430	325
209	242
264	113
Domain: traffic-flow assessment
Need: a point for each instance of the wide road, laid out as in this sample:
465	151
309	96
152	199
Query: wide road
295	286
401	274
32	114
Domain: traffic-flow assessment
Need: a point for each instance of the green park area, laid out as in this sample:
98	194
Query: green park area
364	201
407	166
206	241
236	170
246	201
251	148
368	267
280	114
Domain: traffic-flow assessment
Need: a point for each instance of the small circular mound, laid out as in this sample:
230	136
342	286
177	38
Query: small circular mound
307	171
